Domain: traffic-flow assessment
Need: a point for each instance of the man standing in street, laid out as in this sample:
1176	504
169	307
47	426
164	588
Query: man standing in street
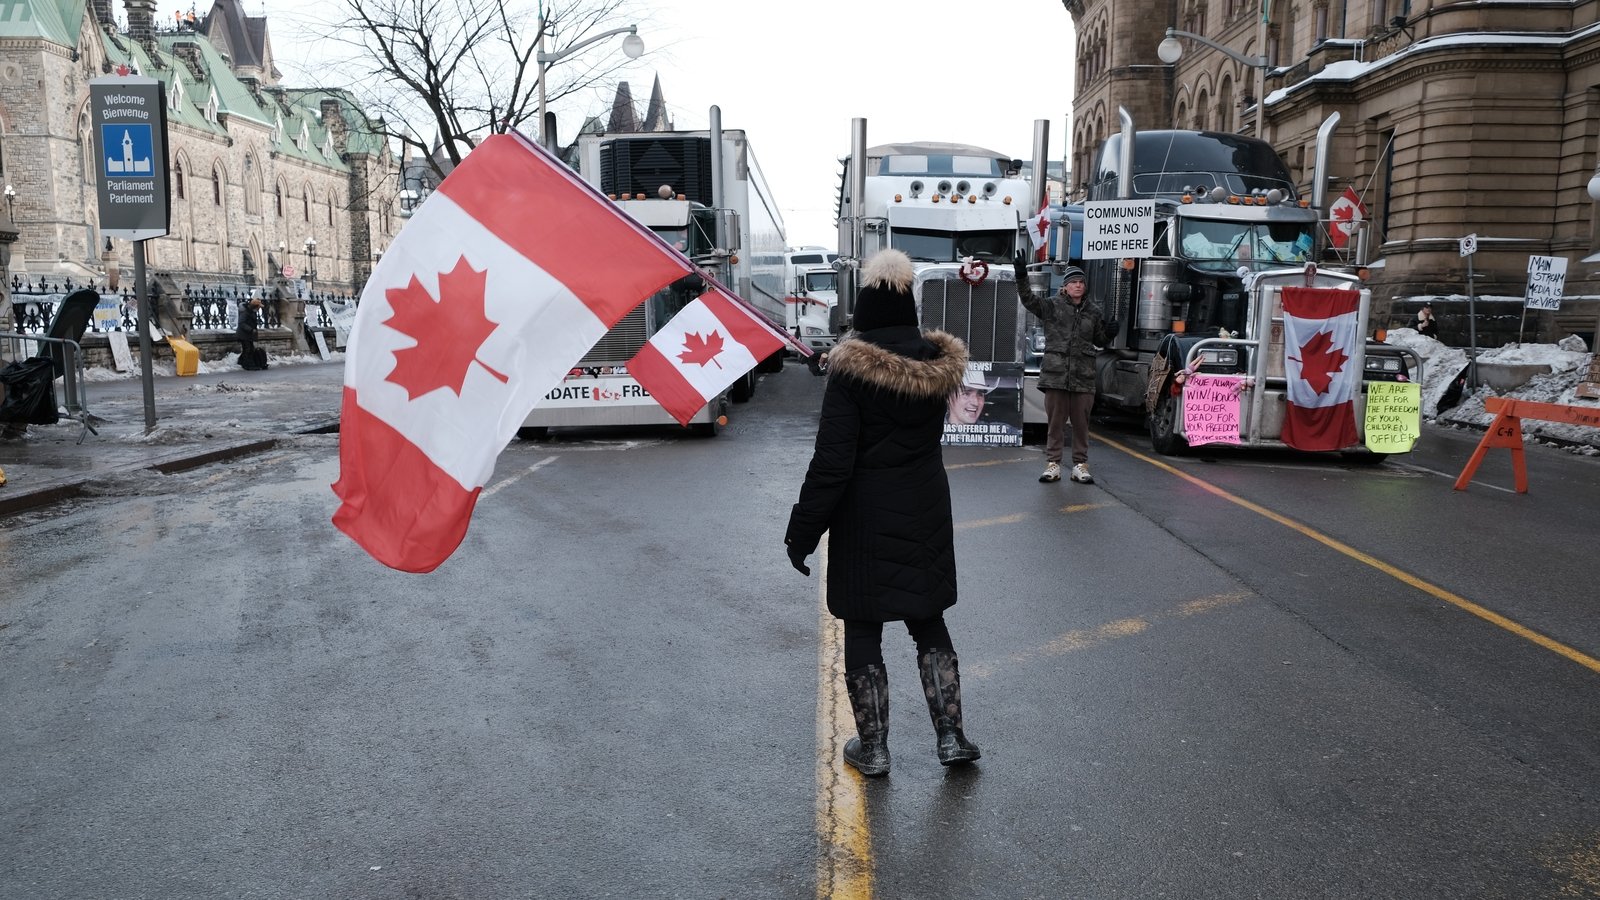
1073	327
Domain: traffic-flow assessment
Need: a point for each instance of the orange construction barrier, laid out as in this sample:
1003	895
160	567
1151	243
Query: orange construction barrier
1506	431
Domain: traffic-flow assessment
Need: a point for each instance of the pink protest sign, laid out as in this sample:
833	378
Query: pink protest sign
1211	409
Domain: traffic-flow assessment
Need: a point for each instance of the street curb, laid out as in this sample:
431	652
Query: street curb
13	502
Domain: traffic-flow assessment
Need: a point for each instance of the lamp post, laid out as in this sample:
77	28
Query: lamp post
311	259
1170	50
11	199
632	47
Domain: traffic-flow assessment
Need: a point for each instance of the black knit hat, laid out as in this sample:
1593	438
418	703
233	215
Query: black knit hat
885	297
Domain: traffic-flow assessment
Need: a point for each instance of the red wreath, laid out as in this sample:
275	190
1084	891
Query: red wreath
979	270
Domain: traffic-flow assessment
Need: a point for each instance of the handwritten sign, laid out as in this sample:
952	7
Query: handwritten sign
1547	278
1211	409
1394	416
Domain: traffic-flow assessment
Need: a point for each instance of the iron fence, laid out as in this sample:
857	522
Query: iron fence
212	306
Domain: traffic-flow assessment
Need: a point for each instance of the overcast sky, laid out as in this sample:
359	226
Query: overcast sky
794	75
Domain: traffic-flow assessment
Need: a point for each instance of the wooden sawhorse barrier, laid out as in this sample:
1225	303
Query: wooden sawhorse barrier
1506	431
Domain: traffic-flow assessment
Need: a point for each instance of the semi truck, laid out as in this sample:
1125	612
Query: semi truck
702	192
811	283
1230	230
957	211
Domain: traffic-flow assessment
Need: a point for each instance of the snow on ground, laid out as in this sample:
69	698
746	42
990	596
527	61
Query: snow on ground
1568	362
229	363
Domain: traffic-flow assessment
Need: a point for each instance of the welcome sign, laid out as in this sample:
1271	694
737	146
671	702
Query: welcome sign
128	118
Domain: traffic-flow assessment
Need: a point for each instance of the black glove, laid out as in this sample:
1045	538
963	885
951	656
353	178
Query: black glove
1021	265
797	558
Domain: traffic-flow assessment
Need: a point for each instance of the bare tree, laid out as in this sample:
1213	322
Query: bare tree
464	69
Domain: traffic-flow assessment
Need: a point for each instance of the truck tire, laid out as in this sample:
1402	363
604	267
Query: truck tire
533	433
744	388
1363	457
771	364
1164	436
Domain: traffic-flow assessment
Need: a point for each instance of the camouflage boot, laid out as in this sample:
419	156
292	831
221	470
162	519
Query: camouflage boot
941	684
869	700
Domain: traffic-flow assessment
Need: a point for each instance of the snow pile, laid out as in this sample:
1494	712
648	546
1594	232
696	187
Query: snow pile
1568	362
229	363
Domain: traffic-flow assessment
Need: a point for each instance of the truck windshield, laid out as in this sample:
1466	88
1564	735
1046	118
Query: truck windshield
820	281
677	237
1225	246
944	246
940	164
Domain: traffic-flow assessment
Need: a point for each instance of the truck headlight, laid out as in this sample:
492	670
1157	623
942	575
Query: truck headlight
1219	356
814	331
1386	364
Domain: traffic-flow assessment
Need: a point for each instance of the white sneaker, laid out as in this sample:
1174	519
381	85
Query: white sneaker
1080	474
1052	472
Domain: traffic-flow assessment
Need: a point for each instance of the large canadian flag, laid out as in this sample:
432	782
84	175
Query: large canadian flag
702	350
1320	334
497	286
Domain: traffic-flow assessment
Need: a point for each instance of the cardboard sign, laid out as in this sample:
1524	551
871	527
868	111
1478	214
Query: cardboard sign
322	345
1547	279
1394	416
121	358
1211	409
1119	229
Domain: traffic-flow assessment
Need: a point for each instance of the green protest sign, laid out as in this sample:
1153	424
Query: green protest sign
1394	416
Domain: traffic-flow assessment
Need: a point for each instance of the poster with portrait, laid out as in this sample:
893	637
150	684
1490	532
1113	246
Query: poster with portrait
987	409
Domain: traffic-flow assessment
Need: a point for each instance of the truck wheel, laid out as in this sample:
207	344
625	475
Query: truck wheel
744	388
1363	457
771	364
533	433
1164	427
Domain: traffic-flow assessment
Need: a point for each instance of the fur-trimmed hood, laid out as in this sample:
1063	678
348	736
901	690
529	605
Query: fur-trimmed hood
884	368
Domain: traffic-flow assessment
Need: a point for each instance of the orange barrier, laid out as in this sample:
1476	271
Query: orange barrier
1506	431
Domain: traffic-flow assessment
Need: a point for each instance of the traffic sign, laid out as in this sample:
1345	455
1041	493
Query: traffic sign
288	271
1469	245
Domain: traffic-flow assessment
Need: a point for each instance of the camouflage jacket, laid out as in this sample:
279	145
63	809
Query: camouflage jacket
1071	333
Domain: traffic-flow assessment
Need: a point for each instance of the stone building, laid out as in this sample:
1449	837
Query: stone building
263	176
1456	118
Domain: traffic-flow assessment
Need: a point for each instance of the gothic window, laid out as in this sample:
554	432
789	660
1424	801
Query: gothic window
252	186
307	202
177	178
277	199
330	209
216	187
211	106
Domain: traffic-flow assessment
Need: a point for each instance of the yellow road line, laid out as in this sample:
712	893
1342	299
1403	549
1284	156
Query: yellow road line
844	865
1462	603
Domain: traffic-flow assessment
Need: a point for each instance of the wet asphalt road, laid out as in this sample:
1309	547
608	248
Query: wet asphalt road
613	688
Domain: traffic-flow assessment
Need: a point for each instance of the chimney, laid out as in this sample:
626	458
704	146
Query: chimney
141	22
102	14
333	120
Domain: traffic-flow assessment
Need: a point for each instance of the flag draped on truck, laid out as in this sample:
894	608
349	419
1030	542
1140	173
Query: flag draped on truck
494	290
1320	337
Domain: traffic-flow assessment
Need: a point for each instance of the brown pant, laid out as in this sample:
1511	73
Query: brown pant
1059	408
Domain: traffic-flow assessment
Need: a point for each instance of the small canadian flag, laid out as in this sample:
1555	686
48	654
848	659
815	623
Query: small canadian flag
702	350
1344	218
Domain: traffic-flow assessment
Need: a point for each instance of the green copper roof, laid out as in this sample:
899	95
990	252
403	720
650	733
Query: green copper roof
56	21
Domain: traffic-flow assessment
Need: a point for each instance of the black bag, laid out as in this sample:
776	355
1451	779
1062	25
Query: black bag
30	395
254	358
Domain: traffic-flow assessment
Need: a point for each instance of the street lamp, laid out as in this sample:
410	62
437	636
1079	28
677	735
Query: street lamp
632	47
311	259
1170	50
11	198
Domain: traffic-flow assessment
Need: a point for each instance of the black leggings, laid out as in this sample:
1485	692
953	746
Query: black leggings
863	640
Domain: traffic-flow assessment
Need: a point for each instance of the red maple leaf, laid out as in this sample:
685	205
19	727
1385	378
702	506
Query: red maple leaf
701	350
1347	211
1042	225
1319	361
449	332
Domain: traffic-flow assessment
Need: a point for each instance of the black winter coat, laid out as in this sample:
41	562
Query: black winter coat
249	323
877	483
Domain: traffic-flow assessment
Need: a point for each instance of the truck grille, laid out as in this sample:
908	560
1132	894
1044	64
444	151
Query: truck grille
639	166
987	316
624	340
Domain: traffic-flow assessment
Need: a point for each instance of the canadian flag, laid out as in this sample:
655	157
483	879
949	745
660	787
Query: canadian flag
1344	218
497	286
1320	339
1039	231
702	350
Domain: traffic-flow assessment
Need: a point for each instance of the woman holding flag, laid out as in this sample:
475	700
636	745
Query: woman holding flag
877	486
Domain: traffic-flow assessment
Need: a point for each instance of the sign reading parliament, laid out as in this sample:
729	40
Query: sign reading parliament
128	117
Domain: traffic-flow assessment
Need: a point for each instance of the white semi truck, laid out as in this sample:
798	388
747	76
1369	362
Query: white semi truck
957	212
702	192
812	293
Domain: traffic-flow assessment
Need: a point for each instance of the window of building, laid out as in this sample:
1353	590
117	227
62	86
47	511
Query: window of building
277	200
177	179
307	202
216	187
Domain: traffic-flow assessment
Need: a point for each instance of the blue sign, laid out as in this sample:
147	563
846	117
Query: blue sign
130	151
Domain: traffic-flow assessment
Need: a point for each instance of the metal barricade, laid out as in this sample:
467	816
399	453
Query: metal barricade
67	357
